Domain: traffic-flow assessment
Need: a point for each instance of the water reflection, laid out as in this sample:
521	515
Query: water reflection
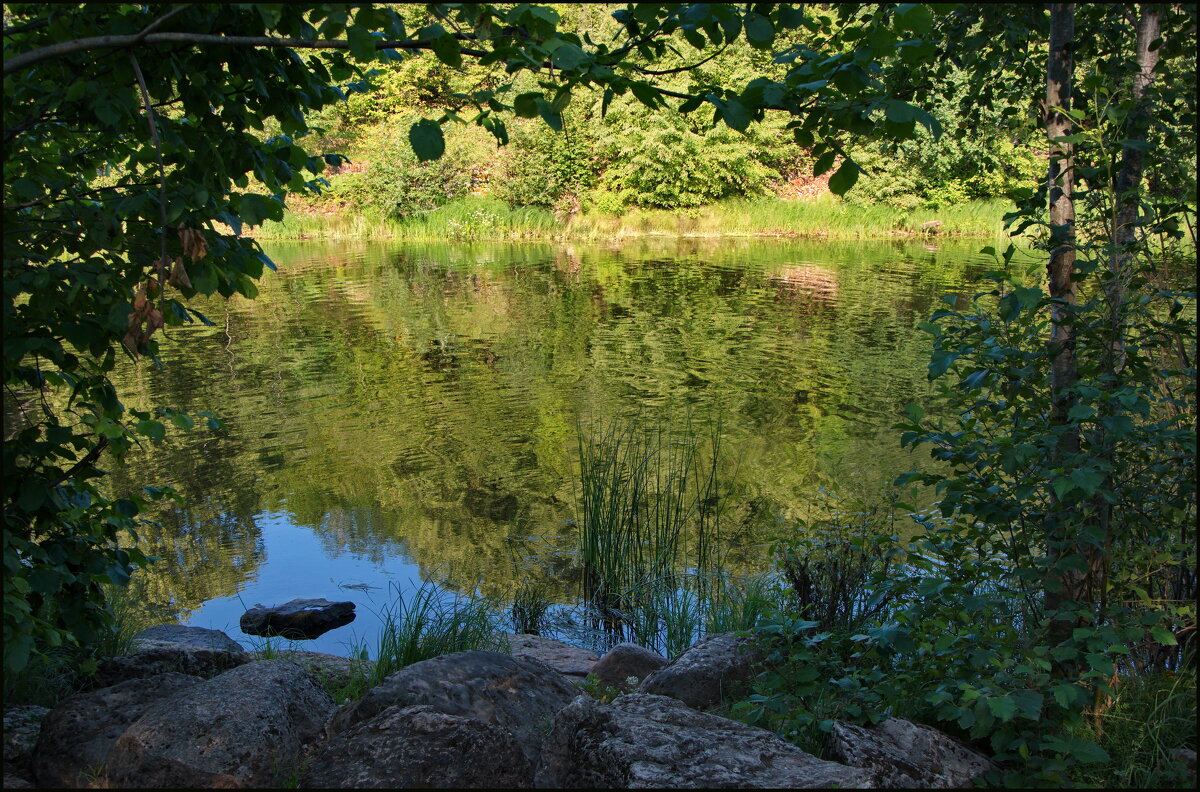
414	410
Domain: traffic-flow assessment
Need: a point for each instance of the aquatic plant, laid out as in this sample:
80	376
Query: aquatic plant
650	508
430	622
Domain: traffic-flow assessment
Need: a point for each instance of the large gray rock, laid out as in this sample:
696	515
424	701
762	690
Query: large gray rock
627	661
13	781
520	695
332	671
902	754
642	741
22	725
702	674
198	637
563	658
246	727
152	657
405	747
298	620
77	737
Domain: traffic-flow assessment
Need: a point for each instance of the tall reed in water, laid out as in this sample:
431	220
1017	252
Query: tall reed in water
649	531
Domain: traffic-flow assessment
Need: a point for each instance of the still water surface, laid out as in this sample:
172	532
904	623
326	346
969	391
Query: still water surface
405	412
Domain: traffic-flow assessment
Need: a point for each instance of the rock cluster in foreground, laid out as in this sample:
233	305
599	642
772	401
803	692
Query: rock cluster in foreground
224	718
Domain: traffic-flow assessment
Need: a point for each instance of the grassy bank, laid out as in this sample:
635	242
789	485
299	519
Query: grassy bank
491	219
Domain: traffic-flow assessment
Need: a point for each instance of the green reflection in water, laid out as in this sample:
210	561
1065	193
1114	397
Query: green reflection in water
423	401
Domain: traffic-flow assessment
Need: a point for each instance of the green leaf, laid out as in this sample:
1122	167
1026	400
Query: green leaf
914	411
1062	485
45	580
1080	412
824	163
427	140
568	56
152	429
525	105
1087	752
1068	695
448	51
1003	707
551	116
734	114
1163	636
845	177
362	43
759	30
1029	703
1087	479
941	362
914	18
182	420
790	17
899	112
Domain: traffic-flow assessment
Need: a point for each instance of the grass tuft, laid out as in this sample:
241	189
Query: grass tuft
431	622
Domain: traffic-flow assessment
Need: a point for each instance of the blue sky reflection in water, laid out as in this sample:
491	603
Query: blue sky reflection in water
404	411
297	566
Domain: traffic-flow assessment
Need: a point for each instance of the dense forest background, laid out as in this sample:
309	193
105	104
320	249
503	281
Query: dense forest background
624	156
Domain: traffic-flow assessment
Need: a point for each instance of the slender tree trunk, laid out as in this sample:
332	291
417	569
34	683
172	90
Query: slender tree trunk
1122	237
1127	186
1062	586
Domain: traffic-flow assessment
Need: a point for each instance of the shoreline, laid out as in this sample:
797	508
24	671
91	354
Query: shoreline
485	219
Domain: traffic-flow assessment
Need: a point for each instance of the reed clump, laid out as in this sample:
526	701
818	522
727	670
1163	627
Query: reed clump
650	509
430	622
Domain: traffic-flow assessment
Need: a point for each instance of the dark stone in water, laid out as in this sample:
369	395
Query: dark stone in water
298	619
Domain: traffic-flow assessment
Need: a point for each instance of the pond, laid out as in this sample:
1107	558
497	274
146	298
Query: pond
405	412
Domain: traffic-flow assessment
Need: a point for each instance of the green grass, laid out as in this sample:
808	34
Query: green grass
430	622
485	218
1150	716
529	607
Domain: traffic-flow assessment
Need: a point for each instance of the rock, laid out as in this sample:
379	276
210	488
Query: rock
519	694
152	657
191	636
404	747
246	727
642	741
700	675
77	736
626	660
1181	764
15	782
22	725
299	619
902	754
565	659
331	671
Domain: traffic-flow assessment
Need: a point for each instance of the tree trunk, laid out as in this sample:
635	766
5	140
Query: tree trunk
1122	237
1062	586
1127	185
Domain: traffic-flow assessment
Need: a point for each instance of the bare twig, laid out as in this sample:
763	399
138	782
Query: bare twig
162	171
33	57
158	22
680	69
